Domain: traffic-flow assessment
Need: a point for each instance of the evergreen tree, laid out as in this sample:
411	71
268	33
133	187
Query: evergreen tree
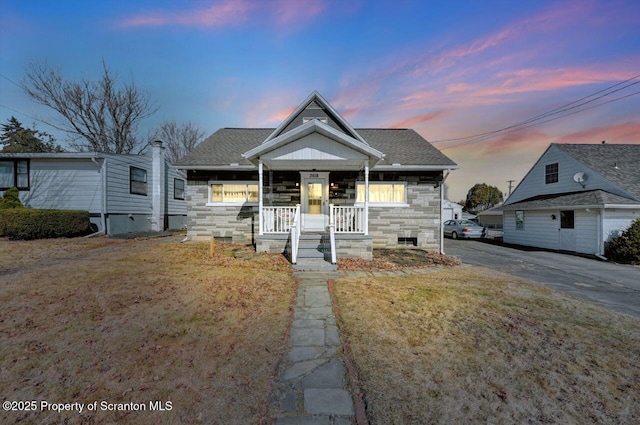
17	139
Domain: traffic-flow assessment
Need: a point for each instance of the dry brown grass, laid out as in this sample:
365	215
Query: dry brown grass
86	320
469	345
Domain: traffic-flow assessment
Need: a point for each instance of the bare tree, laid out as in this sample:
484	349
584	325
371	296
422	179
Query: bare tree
97	115
179	139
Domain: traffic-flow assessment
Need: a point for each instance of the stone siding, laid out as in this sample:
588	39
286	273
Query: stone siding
239	223
420	219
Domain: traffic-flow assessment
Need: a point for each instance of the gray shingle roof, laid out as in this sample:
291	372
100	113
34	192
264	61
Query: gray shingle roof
591	198
619	164
402	146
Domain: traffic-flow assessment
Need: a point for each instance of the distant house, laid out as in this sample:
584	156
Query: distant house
451	210
315	176
575	198
123	193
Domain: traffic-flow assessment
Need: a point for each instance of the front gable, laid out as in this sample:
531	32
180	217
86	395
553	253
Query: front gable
310	146
534	183
317	147
315	107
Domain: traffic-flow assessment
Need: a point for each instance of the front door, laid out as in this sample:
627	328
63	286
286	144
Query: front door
315	193
567	232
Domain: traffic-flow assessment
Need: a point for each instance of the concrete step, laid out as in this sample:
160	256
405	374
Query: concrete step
310	253
314	264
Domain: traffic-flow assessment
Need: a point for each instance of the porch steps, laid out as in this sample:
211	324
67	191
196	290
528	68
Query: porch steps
312	251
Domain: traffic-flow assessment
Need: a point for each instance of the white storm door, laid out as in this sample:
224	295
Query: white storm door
314	204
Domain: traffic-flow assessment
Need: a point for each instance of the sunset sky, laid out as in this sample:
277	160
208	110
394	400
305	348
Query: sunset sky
523	74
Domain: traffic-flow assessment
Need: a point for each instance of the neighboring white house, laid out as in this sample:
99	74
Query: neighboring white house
575	198
315	176
451	210
123	193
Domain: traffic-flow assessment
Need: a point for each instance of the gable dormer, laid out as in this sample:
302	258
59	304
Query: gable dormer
315	107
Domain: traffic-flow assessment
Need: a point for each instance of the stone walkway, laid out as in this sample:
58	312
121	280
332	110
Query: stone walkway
312	387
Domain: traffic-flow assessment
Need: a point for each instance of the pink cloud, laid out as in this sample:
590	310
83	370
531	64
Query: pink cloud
418	119
627	132
231	12
293	11
226	13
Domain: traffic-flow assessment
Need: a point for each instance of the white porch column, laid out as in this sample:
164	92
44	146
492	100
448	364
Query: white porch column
366	199
260	180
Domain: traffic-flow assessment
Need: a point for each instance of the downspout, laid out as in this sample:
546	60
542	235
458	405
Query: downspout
103	206
442	210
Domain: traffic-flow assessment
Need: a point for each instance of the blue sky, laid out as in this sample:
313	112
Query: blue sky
446	69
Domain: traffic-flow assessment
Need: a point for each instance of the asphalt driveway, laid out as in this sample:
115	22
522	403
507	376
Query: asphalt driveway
615	286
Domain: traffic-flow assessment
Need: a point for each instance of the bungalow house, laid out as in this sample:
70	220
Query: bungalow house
575	198
316	185
123	193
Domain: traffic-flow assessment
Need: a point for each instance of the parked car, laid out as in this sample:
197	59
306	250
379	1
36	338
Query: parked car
463	229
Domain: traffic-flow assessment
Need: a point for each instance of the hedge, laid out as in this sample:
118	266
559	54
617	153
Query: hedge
626	247
25	223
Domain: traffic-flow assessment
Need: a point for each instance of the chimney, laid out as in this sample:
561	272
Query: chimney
158	188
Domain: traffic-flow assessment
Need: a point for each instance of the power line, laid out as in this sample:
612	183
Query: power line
541	118
513	130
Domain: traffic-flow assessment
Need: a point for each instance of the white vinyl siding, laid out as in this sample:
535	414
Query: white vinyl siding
119	200
539	229
175	206
618	220
70	184
586	229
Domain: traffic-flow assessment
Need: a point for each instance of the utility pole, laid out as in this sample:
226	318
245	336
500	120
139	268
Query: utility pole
510	186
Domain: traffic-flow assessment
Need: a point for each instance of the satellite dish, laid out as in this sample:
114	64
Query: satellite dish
580	178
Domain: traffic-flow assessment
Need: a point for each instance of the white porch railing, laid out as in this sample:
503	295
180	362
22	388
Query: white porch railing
279	219
295	235
347	219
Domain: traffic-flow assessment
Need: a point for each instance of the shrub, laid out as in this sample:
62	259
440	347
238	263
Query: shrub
626	247
24	223
11	199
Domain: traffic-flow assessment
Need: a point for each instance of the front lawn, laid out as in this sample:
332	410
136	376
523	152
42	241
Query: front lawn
468	345
135	322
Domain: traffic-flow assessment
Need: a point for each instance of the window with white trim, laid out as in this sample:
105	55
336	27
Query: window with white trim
321	119
383	192
233	193
551	173
178	189
14	173
520	220
137	181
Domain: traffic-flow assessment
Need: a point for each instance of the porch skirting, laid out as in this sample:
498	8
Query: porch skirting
347	246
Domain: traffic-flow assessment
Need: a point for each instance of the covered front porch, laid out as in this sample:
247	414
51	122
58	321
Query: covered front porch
317	183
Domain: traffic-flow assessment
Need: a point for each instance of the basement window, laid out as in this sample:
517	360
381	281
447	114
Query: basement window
408	241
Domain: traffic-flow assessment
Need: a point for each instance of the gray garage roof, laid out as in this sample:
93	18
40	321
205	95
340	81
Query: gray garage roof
400	146
616	163
593	198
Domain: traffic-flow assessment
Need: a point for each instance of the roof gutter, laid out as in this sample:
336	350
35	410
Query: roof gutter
400	167
214	167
